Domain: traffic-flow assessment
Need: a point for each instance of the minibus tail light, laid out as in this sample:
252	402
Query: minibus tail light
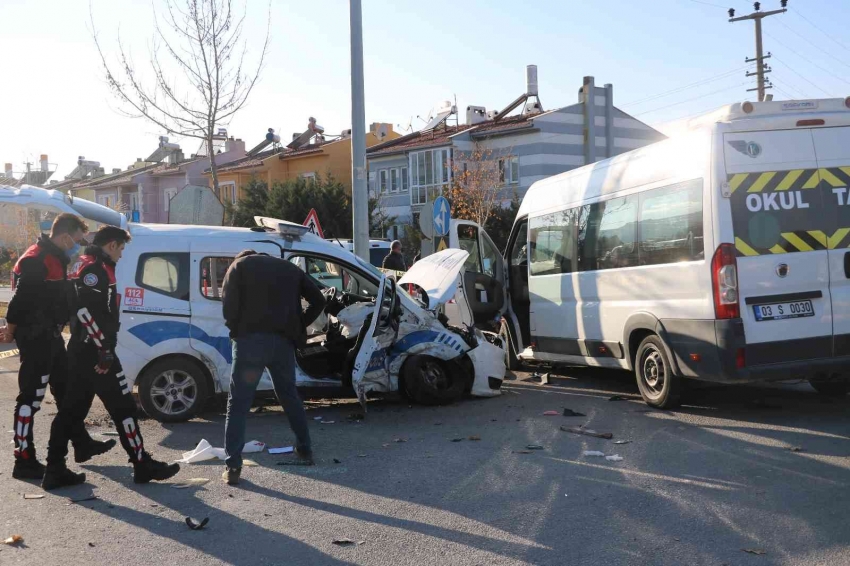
724	274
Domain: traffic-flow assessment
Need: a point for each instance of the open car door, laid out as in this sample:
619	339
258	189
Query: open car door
484	279
49	200
371	364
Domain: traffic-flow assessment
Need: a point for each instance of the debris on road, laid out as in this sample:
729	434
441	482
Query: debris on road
193	482
521	452
249	463
587	432
534	447
796	449
398	440
33	496
81	499
550	413
614	458
205	451
622	442
348	542
619	398
296	462
571	413
595	453
327	422
14	539
318	418
282	450
756	551
337	461
457	439
91	545
543	377
195	525
474	437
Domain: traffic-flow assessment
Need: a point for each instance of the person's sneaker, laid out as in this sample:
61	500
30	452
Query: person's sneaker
149	469
304	457
30	469
91	449
57	477
231	475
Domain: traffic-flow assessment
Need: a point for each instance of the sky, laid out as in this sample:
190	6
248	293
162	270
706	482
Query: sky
666	59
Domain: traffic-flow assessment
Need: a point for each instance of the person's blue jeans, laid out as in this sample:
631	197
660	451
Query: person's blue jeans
251	355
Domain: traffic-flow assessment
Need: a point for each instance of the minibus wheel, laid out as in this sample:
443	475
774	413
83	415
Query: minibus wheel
511	360
173	390
658	384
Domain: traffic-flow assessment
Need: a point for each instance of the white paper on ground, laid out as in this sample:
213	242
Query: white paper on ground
592	453
205	451
282	450
614	458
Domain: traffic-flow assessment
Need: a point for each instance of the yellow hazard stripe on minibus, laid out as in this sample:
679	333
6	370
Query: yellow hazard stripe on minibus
769	181
799	241
744	248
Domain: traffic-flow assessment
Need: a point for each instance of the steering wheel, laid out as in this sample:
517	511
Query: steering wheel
330	294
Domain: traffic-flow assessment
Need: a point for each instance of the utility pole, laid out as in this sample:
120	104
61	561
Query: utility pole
761	69
359	189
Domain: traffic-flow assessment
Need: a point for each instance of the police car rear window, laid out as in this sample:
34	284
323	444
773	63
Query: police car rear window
799	210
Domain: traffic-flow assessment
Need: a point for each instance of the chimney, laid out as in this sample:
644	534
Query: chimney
8	170
44	166
236	145
531	80
475	115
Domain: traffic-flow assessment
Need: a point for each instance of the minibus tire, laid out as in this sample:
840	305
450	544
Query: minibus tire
428	381
511	360
656	379
180	366
831	388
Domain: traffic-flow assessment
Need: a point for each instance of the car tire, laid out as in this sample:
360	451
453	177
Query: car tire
173	390
831	388
511	360
428	381
658	384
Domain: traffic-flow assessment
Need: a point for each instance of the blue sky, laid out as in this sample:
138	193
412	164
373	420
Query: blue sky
54	99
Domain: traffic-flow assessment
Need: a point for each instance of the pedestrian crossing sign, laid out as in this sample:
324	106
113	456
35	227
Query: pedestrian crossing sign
312	223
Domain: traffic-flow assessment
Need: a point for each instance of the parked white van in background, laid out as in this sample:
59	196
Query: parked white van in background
720	255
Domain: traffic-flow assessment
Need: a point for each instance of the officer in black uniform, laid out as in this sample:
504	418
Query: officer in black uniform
37	313
94	368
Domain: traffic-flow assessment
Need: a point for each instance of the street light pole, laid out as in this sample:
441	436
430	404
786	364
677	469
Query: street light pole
359	189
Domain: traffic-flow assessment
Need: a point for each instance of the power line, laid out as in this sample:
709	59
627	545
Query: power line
692	99
790	87
818	47
790	68
809	61
686	87
799	13
709	4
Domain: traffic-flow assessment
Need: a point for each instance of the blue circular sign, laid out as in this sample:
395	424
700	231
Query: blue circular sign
442	216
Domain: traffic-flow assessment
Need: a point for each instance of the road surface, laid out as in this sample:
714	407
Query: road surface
696	486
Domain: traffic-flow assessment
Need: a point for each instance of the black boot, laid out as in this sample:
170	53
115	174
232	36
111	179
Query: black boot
60	476
149	469
28	469
92	448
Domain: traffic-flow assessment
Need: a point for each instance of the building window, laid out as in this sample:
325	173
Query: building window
384	182
310	176
405	180
228	192
432	174
394	186
509	170
167	195
105	201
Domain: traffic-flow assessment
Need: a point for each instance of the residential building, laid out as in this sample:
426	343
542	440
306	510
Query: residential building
309	155
407	172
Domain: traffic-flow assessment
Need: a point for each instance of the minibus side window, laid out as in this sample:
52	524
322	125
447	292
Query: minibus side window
607	234
552	242
671	228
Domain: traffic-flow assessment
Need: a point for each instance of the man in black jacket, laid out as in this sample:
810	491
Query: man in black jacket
94	368
37	313
395	259
261	301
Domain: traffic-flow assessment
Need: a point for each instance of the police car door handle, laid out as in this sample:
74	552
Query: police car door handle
847	265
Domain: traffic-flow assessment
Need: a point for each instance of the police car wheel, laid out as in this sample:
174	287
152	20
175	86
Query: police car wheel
173	390
831	388
658	385
428	381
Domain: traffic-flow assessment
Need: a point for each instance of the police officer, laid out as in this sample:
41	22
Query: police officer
94	367
37	313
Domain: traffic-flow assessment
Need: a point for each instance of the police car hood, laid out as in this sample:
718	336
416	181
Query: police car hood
437	275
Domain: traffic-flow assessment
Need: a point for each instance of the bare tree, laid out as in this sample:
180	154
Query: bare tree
478	183
200	81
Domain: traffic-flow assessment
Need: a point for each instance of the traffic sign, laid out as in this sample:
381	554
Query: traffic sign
442	216
312	223
441	243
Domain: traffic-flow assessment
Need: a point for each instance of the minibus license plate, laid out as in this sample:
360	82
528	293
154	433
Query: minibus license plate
780	311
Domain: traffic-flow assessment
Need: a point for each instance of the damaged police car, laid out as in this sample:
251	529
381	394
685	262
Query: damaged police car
373	337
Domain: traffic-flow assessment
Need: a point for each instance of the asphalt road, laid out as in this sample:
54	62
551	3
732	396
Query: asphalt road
695	486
